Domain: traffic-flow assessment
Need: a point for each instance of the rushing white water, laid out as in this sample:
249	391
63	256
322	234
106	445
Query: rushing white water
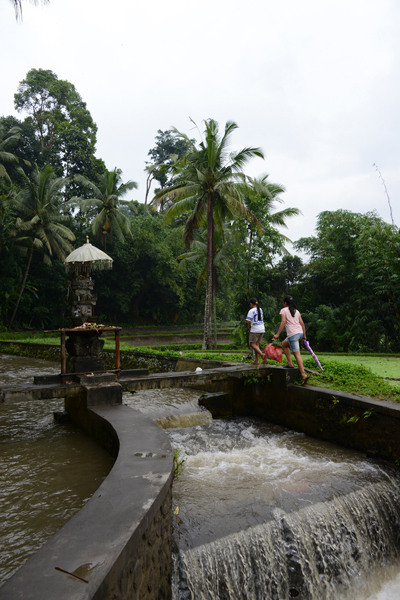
268	513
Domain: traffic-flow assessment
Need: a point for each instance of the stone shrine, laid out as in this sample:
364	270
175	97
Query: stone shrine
83	345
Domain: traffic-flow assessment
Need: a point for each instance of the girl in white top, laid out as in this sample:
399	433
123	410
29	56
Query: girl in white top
295	331
255	322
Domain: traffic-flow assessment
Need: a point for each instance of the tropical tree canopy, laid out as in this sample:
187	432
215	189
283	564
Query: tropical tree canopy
62	124
261	197
352	281
166	152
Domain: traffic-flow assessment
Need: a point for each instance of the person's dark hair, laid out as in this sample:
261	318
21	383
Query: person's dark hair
290	302
254	301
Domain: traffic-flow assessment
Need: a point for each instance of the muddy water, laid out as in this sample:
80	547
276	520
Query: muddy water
157	404
47	470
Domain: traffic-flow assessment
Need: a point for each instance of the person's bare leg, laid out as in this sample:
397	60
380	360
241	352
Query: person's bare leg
256	348
286	349
299	361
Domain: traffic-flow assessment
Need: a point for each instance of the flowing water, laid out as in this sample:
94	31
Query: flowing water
164	403
170	407
47	470
267	513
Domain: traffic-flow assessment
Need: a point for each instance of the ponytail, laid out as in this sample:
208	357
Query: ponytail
254	301
291	305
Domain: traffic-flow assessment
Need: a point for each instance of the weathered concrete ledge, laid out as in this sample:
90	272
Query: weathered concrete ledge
120	541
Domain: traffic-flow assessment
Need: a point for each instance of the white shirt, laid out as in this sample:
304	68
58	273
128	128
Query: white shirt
257	325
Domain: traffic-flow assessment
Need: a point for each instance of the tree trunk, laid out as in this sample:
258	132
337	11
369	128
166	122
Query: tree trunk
22	286
215	312
149	180
207	340
249	261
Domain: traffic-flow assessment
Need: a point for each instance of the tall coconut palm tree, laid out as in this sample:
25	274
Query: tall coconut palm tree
39	206
104	202
208	189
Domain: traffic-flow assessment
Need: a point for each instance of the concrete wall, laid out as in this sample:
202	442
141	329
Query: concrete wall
120	541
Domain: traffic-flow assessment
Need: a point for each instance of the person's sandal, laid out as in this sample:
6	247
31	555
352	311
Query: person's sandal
304	382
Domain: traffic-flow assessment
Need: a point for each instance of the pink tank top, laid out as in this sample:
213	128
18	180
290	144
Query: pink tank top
292	323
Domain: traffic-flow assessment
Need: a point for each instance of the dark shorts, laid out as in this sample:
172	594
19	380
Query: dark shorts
255	337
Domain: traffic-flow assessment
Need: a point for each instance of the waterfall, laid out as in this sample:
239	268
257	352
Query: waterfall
322	552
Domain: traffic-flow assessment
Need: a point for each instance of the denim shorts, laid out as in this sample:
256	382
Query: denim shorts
294	341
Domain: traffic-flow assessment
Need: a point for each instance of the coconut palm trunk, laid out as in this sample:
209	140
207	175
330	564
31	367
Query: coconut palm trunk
207	341
215	306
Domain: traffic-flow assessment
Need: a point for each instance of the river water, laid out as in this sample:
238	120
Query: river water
47	470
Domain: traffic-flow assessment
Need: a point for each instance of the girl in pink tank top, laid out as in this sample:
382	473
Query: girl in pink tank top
295	332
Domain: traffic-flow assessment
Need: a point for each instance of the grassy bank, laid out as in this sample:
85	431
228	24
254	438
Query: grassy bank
53	339
382	365
352	378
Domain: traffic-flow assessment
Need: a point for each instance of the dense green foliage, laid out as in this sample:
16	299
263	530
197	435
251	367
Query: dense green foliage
350	289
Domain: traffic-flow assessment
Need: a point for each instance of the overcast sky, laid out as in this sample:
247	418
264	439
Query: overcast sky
314	83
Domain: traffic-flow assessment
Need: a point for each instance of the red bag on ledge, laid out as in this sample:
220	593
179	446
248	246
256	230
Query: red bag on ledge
273	352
